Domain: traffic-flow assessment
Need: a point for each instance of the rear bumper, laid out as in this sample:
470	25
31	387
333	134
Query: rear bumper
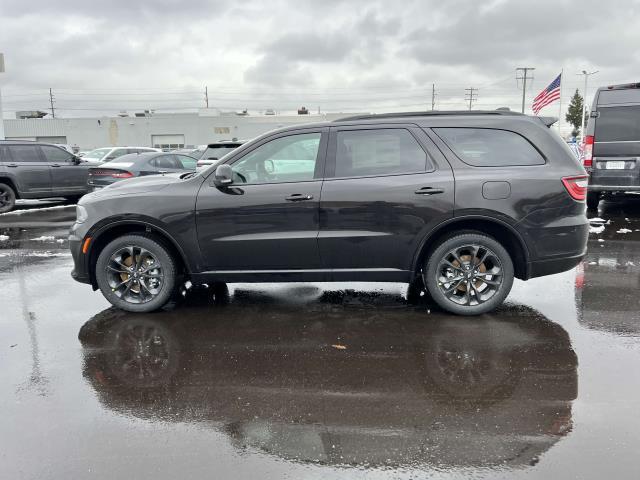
614	188
555	265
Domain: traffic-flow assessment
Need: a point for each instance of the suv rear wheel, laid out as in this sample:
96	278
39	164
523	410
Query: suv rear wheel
136	273
469	274
7	198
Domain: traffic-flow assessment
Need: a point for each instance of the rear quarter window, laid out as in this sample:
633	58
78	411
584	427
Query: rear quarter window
486	147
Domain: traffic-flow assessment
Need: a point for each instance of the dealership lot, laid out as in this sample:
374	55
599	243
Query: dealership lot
318	380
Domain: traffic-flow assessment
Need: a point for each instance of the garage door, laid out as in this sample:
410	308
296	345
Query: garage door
167	142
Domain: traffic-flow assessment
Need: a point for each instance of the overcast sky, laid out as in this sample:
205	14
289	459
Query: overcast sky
337	55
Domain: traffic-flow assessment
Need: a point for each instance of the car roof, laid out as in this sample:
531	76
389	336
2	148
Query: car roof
225	143
29	142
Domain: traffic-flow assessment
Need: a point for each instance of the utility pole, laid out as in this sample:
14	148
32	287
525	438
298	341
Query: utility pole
524	77
206	96
472	96
53	111
584	100
433	97
1	116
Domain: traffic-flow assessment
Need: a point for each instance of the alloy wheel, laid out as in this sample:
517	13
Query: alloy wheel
134	274
469	275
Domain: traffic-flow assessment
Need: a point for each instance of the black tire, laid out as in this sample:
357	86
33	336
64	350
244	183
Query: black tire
593	199
164	274
453	296
7	198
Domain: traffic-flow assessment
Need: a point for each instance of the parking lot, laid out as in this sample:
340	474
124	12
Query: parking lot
318	380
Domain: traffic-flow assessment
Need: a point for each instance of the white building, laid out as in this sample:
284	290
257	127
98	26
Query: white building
162	130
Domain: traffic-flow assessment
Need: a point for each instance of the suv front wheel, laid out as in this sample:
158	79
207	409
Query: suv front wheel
136	273
469	274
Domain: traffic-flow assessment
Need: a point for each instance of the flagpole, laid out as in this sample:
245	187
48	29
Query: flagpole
560	104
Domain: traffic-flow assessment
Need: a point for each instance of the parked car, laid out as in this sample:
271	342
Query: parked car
215	151
367	198
139	165
612	142
39	170
100	155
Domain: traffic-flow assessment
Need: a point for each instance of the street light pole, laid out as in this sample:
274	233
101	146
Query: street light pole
584	100
1	117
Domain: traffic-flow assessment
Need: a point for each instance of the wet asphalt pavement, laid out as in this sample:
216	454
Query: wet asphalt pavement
318	380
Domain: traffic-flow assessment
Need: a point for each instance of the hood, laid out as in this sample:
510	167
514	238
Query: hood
137	185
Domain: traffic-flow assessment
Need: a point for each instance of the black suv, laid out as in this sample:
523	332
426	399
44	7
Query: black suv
612	142
460	203
39	170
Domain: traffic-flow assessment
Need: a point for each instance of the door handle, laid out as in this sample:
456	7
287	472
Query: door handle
55	165
298	197
12	165
428	191
162	172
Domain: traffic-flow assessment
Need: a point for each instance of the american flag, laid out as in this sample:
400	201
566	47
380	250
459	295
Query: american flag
547	96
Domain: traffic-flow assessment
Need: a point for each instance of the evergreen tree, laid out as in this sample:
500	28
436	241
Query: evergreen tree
574	114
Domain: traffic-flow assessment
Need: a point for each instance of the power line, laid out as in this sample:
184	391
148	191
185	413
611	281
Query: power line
524	77
53	111
471	96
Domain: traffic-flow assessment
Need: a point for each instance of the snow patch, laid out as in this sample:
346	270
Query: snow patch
600	240
598	229
4	238
624	230
27	210
597	220
44	238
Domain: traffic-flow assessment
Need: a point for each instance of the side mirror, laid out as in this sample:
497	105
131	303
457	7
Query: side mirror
223	175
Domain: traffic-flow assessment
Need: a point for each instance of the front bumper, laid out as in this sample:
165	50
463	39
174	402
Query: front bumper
80	271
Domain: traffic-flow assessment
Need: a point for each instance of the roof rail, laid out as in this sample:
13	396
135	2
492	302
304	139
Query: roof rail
375	116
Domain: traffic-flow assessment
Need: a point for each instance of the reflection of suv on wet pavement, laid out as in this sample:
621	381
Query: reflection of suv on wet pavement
612	142
464	202
39	170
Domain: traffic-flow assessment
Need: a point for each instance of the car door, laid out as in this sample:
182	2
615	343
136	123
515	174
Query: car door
67	176
386	187
30	169
267	220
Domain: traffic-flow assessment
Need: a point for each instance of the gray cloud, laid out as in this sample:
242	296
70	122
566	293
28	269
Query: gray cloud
342	55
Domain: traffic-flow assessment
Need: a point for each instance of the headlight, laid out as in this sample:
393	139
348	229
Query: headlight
81	214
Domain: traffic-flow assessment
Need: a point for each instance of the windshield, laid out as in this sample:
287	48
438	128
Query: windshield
216	152
97	154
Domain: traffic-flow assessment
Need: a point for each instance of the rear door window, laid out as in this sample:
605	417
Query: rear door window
618	124
373	152
25	154
486	147
165	162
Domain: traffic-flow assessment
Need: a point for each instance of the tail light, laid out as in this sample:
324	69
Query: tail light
587	153
110	172
576	187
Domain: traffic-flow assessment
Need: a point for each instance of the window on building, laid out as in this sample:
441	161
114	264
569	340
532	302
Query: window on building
486	147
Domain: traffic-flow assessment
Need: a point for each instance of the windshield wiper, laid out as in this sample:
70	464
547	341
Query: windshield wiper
187	175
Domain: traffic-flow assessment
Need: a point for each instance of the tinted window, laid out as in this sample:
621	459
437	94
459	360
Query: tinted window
55	155
617	124
216	152
484	147
285	159
186	162
24	153
378	152
165	162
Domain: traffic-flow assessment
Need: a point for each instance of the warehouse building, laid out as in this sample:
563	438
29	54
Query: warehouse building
161	130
